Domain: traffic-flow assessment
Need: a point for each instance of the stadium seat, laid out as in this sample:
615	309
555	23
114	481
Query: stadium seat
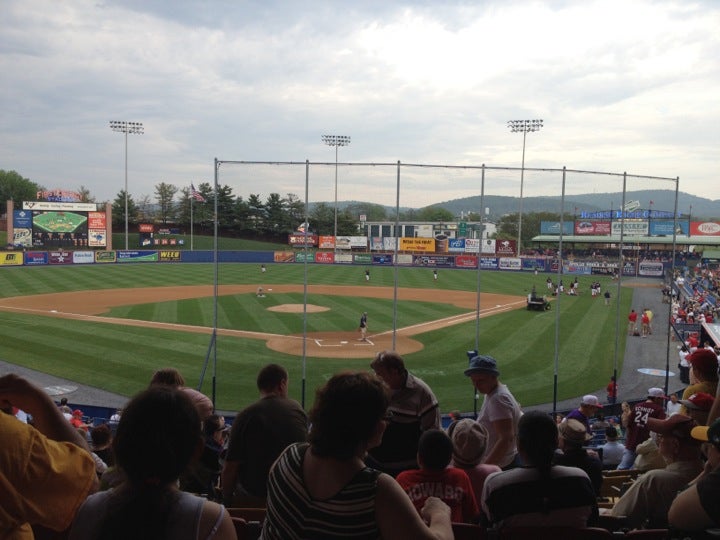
552	533
467	531
248	514
648	534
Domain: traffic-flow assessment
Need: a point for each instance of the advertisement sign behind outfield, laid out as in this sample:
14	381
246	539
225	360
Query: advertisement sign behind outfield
383	259
434	261
707	228
510	263
105	256
137	256
170	256
326	242
456	245
466	261
405	259
417	244
10	258
597	228
363	258
344	258
488	247
489	263
83	257
60	257
324	257
472	245
36	258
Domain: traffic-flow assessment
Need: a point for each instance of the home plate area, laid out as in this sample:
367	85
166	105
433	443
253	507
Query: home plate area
344	343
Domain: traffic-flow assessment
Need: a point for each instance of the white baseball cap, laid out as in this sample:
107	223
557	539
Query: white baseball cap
591	401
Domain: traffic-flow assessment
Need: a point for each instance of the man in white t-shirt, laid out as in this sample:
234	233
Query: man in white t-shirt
499	413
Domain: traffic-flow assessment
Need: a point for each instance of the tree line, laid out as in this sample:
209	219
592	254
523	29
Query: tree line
272	218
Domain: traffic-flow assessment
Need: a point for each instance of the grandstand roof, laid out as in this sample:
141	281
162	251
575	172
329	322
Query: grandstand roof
713	241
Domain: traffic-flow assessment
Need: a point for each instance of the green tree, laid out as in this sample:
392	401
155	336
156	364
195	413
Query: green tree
322	219
435	214
165	197
256	212
16	188
276	218
85	195
373	212
145	210
118	211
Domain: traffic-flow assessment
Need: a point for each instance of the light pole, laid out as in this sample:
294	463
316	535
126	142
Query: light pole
523	126
336	140
133	128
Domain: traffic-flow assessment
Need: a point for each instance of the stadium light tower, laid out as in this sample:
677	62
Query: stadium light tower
336	140
523	126
132	128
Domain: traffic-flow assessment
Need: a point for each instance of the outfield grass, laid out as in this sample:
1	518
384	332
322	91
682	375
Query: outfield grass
122	359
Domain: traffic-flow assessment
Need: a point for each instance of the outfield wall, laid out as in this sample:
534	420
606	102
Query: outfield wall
636	268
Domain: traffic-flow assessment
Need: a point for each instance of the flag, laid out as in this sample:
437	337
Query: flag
195	194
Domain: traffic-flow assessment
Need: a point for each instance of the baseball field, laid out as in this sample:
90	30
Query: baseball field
111	326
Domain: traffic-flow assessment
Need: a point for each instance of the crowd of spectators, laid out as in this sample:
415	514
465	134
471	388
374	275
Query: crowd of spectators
370	460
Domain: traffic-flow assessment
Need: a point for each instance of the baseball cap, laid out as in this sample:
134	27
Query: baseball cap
703	361
481	364
678	425
701	401
709	433
574	431
656	392
469	440
591	400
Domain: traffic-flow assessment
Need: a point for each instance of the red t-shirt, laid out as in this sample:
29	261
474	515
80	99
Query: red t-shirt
633	316
637	430
451	485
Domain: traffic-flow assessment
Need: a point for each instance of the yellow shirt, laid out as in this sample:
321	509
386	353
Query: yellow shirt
42	481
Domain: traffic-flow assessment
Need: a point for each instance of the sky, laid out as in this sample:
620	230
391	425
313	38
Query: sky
621	86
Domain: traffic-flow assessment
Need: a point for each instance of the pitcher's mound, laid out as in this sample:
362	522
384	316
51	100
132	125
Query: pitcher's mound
297	308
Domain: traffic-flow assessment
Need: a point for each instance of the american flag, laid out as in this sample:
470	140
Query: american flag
195	194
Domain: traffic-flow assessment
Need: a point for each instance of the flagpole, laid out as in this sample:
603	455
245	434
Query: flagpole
191	222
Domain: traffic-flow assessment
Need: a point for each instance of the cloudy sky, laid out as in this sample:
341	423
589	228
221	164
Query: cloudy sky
622	86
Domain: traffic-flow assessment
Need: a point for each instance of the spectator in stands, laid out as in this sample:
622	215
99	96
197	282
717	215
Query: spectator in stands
573	436
158	435
45	469
698	507
539	494
589	405
172	377
612	450
683	364
632	322
648	499
451	484
414	410
469	440
698	407
673	405
203	474
636	424
259	434
77	421
703	373
325	490
499	413
101	437
648	456
612	390
65	408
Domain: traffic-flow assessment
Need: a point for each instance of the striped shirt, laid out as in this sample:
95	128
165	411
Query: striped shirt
293	514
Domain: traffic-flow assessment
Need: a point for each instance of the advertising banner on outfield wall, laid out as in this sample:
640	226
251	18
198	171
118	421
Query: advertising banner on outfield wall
324	257
137	256
576	268
363	258
36	258
60	257
105	256
382	259
456	245
300	256
650	268
344	258
405	259
488	247
489	263
443	261
629	269
466	261
509	263
376	243
298	240
283	256
631	228
10	258
389	243
83	257
505	247
530	265
170	256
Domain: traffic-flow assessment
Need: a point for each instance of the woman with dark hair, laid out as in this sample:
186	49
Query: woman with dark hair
323	489
158	436
539	494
